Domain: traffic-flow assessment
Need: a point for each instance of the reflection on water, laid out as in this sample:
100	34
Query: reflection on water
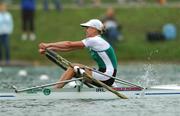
143	74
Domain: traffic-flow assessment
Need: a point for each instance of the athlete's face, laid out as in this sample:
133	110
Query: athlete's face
91	32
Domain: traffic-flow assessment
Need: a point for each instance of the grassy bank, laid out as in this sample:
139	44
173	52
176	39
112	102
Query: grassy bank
54	26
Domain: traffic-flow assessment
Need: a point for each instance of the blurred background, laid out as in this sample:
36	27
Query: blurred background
147	30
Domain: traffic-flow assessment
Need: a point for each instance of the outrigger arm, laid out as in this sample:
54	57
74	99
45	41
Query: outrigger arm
45	85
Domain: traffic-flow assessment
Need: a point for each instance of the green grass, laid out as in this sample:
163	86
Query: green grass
54	26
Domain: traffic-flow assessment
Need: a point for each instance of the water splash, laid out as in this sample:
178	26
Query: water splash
152	53
149	76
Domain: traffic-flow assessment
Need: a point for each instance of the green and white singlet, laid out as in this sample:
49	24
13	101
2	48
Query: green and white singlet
102	52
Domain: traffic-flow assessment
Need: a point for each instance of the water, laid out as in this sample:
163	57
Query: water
143	74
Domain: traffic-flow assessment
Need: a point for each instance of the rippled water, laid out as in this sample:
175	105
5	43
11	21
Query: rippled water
144	74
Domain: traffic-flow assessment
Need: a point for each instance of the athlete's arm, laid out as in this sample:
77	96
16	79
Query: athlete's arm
63	46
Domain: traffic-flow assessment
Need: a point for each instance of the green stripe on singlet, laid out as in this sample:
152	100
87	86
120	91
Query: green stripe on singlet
98	59
109	52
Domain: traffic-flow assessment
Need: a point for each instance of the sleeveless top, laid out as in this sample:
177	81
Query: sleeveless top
102	52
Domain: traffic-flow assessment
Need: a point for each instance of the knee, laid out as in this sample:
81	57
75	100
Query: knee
76	64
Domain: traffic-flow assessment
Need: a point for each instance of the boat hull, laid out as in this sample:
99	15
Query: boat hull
88	93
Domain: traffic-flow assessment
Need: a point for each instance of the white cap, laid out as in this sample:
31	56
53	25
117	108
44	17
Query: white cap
95	23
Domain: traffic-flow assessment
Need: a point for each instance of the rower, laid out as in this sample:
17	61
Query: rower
100	50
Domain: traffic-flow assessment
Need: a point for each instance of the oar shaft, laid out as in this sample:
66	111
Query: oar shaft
124	83
128	83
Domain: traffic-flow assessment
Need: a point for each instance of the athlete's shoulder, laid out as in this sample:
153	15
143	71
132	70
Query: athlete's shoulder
91	40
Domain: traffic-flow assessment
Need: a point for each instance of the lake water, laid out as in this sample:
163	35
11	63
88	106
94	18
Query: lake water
143	74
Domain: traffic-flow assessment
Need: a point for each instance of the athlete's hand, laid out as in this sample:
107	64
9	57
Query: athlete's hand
42	47
42	51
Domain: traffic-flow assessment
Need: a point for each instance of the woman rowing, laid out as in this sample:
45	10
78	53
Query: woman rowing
101	51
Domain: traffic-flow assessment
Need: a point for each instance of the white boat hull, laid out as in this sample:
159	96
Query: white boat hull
89	93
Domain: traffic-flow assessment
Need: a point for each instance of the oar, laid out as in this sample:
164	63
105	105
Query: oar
45	85
58	59
53	57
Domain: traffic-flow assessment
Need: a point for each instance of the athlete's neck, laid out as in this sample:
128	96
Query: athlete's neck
94	35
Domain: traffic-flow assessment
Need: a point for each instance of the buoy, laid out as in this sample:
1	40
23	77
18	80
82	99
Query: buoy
22	73
44	77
